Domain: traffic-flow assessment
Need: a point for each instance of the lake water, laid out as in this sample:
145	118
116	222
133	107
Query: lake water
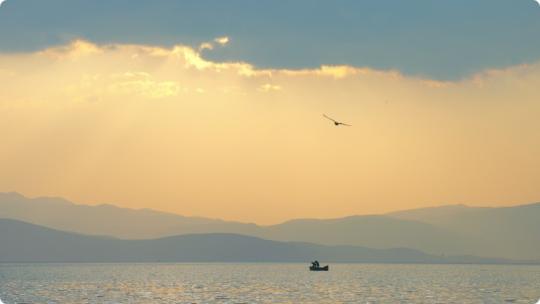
267	283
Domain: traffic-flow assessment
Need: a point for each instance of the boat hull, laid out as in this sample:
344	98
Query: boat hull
325	268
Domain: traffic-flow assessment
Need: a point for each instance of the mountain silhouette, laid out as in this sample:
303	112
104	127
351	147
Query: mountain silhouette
510	232
24	242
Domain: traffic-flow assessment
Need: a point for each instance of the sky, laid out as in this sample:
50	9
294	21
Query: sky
214	108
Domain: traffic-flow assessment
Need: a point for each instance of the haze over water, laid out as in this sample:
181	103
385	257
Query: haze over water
267	283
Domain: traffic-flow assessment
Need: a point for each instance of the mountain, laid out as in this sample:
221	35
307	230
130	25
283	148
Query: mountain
109	220
375	231
24	242
370	231
510	232
507	231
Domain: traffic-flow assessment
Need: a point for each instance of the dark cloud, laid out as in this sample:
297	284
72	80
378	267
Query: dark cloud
445	39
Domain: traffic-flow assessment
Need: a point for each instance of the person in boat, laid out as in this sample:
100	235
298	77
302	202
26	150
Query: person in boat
315	264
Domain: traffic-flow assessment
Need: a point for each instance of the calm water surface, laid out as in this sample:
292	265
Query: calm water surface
267	283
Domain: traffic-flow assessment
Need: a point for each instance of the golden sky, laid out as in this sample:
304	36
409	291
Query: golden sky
150	127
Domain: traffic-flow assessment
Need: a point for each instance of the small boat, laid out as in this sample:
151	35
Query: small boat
315	268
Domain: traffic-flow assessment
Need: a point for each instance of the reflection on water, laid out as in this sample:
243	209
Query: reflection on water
267	283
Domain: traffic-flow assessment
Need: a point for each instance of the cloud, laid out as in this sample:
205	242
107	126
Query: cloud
206	46
142	84
267	87
222	40
406	41
142	123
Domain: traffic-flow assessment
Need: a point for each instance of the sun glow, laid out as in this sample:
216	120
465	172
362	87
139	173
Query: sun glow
147	124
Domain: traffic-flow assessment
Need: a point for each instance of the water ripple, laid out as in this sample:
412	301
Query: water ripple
267	283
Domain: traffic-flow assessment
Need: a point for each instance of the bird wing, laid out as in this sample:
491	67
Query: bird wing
330	118
344	124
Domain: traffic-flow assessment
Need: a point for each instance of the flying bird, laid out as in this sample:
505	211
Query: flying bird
336	123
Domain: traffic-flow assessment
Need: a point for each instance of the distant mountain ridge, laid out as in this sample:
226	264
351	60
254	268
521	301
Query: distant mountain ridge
510	232
24	242
107	219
